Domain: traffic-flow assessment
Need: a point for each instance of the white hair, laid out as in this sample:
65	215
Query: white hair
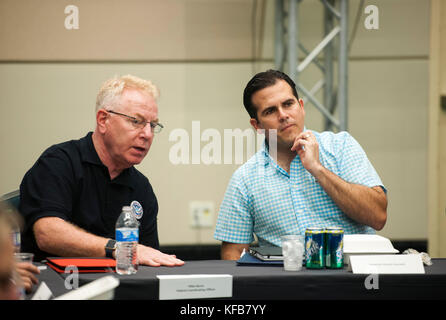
112	89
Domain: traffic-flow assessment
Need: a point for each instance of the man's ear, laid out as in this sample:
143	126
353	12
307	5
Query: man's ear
301	103
101	119
255	124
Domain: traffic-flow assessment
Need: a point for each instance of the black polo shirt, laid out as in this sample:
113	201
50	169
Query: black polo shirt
69	181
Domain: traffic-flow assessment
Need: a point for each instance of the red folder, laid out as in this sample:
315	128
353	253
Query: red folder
83	265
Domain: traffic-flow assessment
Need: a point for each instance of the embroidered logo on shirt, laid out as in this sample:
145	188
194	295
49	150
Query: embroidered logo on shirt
137	209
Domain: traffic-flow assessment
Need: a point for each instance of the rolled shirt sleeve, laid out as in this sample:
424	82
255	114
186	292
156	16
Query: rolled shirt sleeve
354	165
235	222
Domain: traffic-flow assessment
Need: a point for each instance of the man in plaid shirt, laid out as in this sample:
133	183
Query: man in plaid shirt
310	179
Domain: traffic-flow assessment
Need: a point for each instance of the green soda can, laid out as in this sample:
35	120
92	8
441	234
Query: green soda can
334	252
314	248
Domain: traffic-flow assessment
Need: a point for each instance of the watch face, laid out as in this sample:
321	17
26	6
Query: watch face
111	244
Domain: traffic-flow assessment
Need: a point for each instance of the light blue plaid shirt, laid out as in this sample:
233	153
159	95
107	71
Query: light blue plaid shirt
263	199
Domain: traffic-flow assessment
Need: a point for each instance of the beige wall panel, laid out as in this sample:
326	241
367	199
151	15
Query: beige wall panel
403	29
126	30
442	44
191	29
388	116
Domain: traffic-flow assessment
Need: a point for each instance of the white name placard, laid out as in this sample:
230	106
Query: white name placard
387	264
195	286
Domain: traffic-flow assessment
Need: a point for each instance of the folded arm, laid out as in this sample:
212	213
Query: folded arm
366	205
361	203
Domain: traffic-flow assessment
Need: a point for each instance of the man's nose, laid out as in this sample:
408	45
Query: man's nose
147	131
283	115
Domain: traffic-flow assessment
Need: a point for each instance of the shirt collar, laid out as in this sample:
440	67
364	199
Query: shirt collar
88	152
90	155
269	161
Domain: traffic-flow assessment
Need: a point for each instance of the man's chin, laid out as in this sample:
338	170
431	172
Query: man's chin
135	160
281	144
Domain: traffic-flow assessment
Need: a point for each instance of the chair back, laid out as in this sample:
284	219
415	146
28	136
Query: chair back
12	199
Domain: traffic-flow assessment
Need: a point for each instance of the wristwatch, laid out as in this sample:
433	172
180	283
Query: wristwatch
109	248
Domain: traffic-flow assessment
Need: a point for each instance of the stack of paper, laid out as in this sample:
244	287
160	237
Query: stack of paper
366	244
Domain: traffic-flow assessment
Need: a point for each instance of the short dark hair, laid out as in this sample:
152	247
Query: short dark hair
261	81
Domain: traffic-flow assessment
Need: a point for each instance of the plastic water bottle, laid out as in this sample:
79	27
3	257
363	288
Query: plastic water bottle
127	236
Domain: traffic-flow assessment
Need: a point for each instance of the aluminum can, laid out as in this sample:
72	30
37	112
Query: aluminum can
334	248
314	248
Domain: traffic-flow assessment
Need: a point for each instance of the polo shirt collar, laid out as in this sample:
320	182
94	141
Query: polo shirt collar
88	152
267	159
90	155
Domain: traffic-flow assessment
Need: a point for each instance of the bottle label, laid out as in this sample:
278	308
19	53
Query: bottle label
127	235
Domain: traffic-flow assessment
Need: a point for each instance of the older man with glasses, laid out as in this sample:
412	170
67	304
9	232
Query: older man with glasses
74	193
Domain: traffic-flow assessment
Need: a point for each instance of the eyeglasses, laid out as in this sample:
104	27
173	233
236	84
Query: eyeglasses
140	124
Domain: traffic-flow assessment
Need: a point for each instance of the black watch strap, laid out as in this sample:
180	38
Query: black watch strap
109	248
